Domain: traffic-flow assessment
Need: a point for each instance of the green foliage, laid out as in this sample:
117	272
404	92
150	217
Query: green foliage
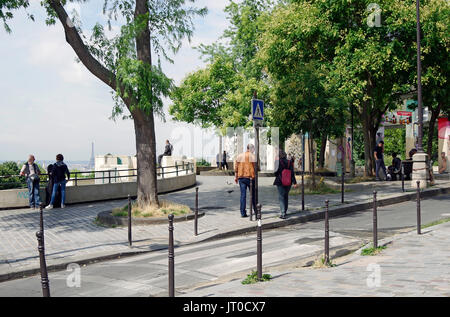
394	142
10	169
253	278
372	251
203	162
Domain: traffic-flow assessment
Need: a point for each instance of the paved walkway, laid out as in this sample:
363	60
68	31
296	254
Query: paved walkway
72	235
412	265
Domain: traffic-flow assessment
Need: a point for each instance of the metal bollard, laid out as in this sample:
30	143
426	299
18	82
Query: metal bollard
43	265
303	190
171	259
41	217
130	240
403	178
251	200
327	234
375	221
418	209
196	213
259	243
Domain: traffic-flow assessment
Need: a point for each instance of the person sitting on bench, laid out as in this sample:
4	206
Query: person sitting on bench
167	152
395	168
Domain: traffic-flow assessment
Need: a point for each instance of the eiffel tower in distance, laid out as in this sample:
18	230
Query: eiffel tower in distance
91	165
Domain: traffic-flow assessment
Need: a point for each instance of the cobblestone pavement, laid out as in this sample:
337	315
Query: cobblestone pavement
412	265
71	234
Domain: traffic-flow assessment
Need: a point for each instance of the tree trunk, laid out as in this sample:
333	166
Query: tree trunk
322	151
369	143
312	160
146	158
434	115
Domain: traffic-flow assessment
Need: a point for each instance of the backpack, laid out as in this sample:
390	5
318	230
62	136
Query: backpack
286	175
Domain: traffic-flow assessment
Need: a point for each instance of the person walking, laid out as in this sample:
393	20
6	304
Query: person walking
31	171
59	173
284	179
167	152
379	161
244	169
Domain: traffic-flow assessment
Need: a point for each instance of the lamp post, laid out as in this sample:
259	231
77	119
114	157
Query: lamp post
419	82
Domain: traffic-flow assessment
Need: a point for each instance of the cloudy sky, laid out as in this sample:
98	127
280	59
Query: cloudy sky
51	104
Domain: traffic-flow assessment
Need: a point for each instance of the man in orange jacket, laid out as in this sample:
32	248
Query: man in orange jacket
244	169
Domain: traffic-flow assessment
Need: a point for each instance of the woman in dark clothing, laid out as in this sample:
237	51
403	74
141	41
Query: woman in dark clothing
284	179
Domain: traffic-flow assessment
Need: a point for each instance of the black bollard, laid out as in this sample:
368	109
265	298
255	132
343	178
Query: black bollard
303	190
43	265
251	200
259	243
327	235
403	178
171	259
130	240
375	221
196	213
418	209
41	217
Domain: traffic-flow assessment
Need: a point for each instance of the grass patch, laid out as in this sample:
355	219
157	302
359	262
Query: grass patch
372	251
320	263
435	223
360	179
253	278
150	211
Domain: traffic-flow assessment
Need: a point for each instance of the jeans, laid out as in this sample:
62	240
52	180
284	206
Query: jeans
33	193
63	192
379	164
283	197
244	183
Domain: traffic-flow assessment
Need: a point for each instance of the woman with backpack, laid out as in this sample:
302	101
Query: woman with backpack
284	179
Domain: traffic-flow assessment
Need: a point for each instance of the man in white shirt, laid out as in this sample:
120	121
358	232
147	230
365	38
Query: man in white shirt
31	171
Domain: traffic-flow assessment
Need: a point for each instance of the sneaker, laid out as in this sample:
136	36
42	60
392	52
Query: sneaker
63	206
244	216
49	207
282	217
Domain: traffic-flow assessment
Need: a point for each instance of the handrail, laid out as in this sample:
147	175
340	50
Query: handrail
160	171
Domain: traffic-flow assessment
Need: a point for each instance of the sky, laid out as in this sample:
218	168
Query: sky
51	104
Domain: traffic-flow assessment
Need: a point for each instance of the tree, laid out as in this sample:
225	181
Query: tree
126	63
219	95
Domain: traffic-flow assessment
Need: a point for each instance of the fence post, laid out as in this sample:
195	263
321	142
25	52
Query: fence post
418	209
327	234
76	179
196	213
130	240
259	243
375	221
162	172
171	259
176	167
109	176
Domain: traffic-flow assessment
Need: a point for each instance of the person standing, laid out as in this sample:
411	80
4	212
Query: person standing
284	179
167	152
59	173
31	171
224	161
379	161
244	168
443	165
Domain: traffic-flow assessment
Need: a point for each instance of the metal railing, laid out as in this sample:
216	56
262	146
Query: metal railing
107	176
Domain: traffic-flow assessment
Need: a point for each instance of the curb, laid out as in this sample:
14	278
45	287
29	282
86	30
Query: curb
106	218
296	218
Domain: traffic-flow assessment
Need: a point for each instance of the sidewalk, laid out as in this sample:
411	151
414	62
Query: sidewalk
411	265
72	236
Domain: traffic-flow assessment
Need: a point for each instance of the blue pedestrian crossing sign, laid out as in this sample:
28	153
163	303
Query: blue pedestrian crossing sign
258	109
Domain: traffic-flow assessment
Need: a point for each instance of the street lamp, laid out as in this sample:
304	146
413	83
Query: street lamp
419	82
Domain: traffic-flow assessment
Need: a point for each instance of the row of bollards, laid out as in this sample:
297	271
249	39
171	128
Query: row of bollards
375	223
41	245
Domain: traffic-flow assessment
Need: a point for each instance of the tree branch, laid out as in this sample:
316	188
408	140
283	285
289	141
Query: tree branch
74	39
